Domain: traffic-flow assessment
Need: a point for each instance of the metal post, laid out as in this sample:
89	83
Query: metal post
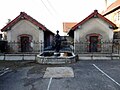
112	50
4	56
41	46
23	57
92	56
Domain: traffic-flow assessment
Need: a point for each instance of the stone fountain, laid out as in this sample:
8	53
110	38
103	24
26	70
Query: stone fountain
55	55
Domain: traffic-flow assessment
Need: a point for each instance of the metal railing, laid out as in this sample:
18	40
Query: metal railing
16	47
102	47
77	47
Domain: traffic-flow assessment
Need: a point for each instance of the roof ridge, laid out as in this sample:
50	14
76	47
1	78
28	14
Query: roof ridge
24	15
92	15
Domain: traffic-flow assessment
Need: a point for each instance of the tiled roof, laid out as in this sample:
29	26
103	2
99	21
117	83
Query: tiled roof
94	14
112	7
23	16
68	25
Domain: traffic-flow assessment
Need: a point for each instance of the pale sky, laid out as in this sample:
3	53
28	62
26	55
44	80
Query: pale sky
51	13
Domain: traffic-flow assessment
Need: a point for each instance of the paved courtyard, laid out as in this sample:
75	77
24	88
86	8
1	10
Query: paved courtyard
83	75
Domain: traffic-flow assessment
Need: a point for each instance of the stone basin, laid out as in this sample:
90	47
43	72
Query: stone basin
50	57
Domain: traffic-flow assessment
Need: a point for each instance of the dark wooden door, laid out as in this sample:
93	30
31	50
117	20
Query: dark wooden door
25	44
93	43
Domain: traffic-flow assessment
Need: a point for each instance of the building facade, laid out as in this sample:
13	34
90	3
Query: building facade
25	34
93	30
112	13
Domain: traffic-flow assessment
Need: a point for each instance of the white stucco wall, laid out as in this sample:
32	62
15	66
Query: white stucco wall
94	25
25	27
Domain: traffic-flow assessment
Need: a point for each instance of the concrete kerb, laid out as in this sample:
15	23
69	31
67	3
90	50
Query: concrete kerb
94	56
17	57
81	56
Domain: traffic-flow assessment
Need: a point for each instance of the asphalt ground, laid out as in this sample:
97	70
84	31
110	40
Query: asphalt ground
88	75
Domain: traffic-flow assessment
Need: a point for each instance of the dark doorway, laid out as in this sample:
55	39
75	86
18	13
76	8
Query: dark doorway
25	44
93	44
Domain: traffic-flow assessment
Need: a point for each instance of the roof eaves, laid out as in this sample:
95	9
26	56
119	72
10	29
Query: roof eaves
108	21
47	30
10	24
35	22
84	20
23	15
89	17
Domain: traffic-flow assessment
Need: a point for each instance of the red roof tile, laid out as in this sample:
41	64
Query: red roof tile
23	16
67	26
113	6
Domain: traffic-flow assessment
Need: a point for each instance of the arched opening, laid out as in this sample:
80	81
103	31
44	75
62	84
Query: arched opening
94	42
25	41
